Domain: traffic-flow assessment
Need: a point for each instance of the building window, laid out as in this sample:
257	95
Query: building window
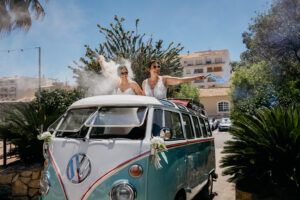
188	71
217	69
190	64
208	61
201	86
223	106
218	60
198	71
210	69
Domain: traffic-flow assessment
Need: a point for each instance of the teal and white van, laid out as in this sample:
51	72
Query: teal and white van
102	148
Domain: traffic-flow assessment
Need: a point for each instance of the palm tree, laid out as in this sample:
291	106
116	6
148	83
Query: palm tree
24	122
265	151
16	14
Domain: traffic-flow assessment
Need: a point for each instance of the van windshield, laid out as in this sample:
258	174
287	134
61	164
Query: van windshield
118	122
72	120
118	117
106	122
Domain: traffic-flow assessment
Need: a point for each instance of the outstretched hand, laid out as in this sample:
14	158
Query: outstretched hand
100	62
99	59
200	77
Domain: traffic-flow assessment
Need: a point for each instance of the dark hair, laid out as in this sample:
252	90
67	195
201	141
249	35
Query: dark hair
151	62
120	69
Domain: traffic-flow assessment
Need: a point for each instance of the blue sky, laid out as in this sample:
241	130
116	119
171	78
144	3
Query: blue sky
68	25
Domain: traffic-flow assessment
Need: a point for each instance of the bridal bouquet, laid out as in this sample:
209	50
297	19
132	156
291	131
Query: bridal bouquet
46	136
157	144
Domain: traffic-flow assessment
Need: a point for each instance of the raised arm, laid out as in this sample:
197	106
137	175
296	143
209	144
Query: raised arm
105	72
169	80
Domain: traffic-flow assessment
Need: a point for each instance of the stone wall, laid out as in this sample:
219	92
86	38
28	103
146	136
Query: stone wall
20	183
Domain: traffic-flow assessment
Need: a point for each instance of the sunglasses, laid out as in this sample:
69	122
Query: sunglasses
124	73
156	66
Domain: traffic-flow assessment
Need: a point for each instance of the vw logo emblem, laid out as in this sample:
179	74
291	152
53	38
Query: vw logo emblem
79	167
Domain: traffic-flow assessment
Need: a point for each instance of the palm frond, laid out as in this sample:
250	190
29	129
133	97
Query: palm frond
265	149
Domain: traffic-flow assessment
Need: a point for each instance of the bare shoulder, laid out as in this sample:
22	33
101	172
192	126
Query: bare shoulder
134	84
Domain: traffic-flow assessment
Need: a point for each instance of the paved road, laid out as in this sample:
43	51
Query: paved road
223	190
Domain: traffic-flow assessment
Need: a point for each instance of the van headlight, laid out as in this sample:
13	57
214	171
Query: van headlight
45	183
122	191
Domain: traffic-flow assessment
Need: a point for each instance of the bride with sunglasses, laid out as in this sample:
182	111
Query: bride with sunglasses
156	85
124	85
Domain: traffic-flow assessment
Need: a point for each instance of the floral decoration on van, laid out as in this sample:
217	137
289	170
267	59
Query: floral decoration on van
157	144
46	136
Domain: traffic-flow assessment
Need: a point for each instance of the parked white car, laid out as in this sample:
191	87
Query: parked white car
225	124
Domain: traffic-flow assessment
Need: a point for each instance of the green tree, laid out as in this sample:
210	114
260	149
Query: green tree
185	90
271	61
16	14
25	121
129	44
58	100
263	156
275	37
275	34
251	88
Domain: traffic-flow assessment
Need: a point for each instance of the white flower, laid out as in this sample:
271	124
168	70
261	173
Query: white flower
156	140
157	144
46	136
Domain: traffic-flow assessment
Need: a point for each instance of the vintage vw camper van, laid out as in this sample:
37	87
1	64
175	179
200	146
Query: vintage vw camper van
100	149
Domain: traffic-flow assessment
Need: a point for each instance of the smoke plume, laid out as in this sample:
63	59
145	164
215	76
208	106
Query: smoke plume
98	84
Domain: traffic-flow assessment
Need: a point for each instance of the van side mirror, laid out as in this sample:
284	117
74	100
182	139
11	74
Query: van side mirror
165	133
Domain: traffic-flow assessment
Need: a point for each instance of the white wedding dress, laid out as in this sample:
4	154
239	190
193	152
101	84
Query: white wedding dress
129	91
159	91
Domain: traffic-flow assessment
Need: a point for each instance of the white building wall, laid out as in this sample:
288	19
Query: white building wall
18	87
205	60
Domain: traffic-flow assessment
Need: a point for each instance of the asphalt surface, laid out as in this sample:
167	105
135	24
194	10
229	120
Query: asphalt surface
222	189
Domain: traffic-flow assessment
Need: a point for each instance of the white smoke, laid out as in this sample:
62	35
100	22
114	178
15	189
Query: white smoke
98	84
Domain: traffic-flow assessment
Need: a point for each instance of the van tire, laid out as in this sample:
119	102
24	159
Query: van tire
207	189
180	195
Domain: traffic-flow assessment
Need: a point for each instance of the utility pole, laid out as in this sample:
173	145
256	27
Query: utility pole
39	89
39	92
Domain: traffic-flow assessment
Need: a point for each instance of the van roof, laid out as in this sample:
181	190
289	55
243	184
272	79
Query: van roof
129	100
116	100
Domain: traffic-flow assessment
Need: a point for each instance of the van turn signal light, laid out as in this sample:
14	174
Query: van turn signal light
135	171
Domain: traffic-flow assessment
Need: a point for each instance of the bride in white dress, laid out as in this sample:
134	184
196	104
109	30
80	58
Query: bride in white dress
124	85
156	85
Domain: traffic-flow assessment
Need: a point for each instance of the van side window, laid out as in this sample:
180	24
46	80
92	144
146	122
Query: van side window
188	126
204	132
157	122
197	127
208	128
172	121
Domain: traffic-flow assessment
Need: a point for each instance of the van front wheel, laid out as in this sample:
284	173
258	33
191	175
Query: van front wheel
207	190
